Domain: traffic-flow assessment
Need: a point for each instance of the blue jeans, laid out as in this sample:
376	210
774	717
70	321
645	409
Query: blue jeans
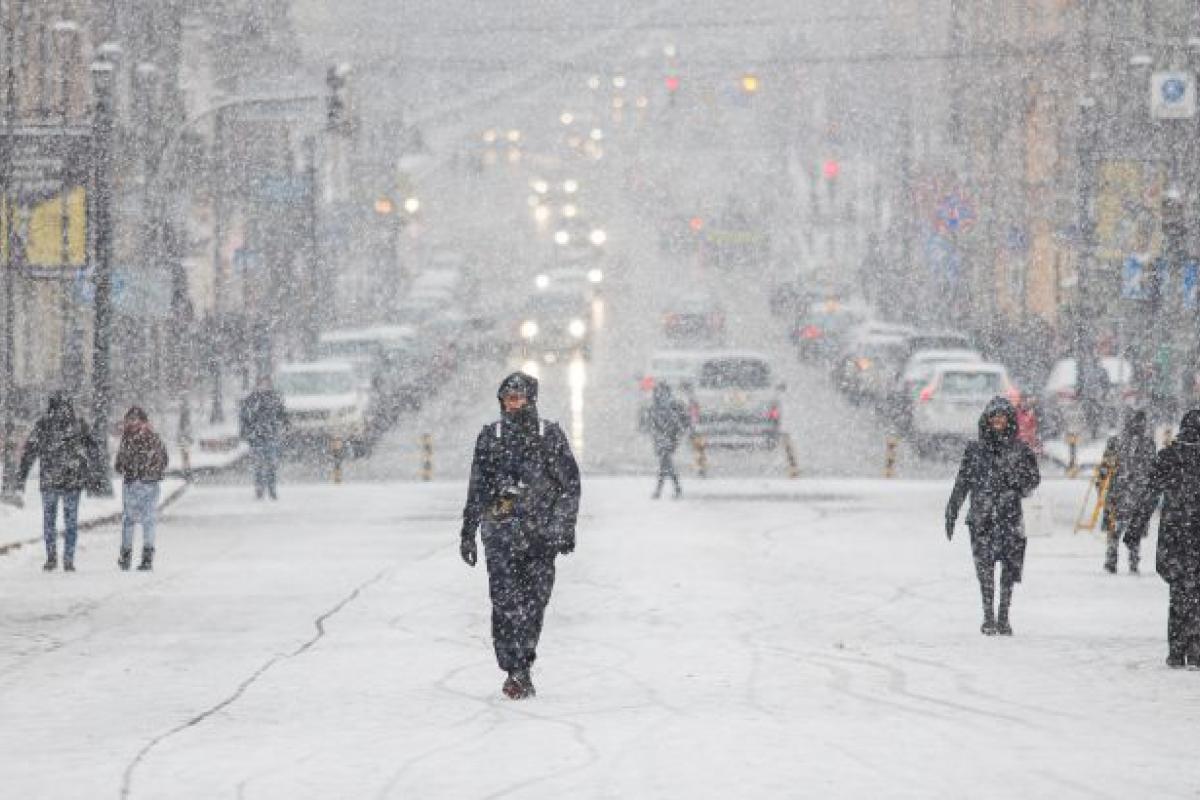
70	507
264	459
139	501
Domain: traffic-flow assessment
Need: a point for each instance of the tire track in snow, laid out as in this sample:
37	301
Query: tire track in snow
318	623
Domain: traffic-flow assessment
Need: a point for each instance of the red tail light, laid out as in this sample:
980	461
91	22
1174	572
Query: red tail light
694	413
926	394
773	413
810	332
647	383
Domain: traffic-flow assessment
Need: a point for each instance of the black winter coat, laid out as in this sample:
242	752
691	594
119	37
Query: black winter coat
63	445
534	465
997	472
667	421
1131	458
262	419
1175	480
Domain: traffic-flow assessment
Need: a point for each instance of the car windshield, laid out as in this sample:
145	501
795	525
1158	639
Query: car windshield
550	304
735	373
315	383
972	383
347	349
948	341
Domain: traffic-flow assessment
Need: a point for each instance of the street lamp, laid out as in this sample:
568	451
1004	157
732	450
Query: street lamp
65	33
412	205
103	77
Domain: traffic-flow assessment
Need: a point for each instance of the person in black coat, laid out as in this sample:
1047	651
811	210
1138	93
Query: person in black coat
524	490
62	443
1128	459
666	421
262	422
1175	480
997	471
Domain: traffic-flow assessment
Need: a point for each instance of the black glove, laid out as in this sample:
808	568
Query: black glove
566	545
468	550
949	528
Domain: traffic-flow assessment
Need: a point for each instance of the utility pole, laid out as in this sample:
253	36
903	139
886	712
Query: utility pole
9	446
216	335
103	76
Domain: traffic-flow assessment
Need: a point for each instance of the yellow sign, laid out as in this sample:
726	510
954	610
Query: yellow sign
39	231
1128	210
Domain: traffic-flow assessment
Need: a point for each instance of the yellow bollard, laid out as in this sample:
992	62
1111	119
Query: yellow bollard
701	456
426	457
335	449
1072	455
889	457
789	452
1168	437
185	462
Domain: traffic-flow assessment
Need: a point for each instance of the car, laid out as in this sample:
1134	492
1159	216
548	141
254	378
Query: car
869	366
324	402
556	321
679	369
1060	400
937	340
694	318
821	331
735	401
915	374
952	397
582	278
388	361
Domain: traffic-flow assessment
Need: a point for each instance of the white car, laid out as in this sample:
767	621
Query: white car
915	374
678	369
736	402
1060	399
324	401
954	394
556	322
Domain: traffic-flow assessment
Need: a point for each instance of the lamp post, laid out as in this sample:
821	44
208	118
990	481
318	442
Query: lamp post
65	33
9	452
103	76
217	413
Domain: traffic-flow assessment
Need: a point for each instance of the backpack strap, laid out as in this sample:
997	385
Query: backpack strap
541	428
498	424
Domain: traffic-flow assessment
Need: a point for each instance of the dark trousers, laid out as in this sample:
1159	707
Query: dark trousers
70	514
1183	622
985	570
666	469
519	581
264	461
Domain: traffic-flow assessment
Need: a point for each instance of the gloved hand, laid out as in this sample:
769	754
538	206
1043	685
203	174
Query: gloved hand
468	550
566	545
949	529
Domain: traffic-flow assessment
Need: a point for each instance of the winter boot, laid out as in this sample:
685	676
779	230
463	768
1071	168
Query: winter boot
988	628
68	565
147	559
125	559
518	686
1176	660
678	492
51	562
657	491
1003	627
1134	560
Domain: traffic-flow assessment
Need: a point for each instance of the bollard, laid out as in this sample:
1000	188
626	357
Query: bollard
336	449
789	452
184	437
1168	436
185	462
889	457
701	456
1072	455
426	457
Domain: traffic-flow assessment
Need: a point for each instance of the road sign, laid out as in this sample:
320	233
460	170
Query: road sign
954	214
1191	283
1134	283
1173	95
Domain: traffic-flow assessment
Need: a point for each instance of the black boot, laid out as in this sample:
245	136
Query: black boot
68	565
51	562
125	559
657	491
519	685
147	559
1134	560
1002	626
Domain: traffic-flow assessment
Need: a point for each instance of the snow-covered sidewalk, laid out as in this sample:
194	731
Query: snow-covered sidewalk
760	639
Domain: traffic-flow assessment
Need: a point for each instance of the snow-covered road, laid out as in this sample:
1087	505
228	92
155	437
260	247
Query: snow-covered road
759	639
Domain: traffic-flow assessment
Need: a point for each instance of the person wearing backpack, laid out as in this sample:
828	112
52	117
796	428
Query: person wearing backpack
524	493
141	460
61	443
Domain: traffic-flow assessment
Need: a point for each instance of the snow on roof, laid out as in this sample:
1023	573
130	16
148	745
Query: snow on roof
316	366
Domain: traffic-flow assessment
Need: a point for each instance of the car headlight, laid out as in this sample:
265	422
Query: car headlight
529	329
596	275
598	237
577	328
542	281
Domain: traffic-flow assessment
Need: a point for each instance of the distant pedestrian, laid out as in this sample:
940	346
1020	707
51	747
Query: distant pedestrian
62	443
1093	386
262	423
667	421
525	491
1175	480
1128	460
996	472
141	461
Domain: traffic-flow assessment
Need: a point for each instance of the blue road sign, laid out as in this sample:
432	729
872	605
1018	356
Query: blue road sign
1134	285
1191	282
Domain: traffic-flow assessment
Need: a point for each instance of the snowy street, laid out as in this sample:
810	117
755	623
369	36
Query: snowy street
762	639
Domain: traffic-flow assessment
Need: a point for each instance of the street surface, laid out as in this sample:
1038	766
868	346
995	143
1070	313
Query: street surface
763	638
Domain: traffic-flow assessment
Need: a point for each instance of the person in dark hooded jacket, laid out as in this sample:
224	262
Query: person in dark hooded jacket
1175	480
1128	459
524	491
61	442
996	472
667	421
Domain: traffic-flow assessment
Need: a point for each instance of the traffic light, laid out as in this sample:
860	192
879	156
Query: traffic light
831	169
750	83
337	105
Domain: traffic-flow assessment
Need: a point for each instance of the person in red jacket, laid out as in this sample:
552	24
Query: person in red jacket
141	459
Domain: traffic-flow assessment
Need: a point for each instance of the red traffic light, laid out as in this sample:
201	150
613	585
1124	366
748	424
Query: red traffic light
672	83
695	223
831	169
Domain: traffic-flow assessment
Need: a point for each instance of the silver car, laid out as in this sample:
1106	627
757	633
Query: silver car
736	402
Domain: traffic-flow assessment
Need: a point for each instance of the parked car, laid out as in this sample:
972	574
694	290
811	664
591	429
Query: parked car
556	322
324	401
868	368
1060	396
695	318
948	404
679	369
915	374
821	331
736	401
388	361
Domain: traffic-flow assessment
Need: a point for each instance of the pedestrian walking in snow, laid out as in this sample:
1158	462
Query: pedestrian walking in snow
141	461
262	422
1128	460
62	443
666	420
1175	480
996	472
524	491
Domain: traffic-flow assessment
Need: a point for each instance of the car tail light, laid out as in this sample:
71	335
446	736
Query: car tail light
648	383
926	394
810	332
863	364
773	413
694	412
1065	394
